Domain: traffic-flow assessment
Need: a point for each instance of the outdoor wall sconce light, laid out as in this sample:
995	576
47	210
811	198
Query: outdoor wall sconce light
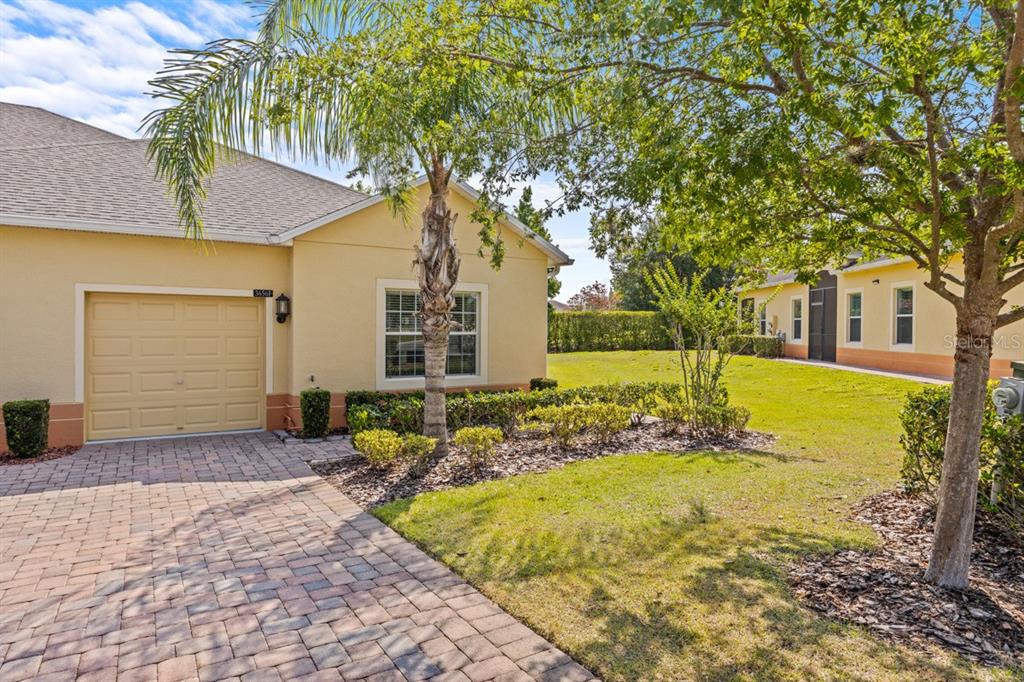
283	308
876	281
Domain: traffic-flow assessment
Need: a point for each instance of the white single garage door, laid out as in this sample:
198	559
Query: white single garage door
165	365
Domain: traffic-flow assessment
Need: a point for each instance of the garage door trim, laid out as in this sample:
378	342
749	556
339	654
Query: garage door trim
82	289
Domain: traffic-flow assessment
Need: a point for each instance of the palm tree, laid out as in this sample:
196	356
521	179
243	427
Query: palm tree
395	88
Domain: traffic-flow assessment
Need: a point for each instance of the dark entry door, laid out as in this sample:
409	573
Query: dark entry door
822	328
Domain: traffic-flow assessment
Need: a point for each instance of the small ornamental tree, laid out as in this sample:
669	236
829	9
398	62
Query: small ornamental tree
789	134
703	321
394	88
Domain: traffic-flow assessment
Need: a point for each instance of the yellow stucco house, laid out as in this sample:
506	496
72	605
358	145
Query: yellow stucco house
132	331
873	313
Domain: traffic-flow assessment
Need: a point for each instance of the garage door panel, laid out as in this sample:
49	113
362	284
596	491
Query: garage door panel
112	385
202	380
208	415
153	383
202	346
242	346
203	311
241	413
112	421
165	365
110	347
157	311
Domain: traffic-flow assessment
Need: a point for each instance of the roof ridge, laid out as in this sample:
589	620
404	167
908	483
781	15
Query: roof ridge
296	170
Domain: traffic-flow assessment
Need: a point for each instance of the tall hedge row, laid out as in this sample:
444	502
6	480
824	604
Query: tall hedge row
607	330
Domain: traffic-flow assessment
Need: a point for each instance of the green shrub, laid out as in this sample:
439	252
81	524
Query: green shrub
540	383
407	416
28	426
605	420
380	447
607	330
315	404
925	418
403	412
363	417
565	422
479	443
703	420
416	451
756	344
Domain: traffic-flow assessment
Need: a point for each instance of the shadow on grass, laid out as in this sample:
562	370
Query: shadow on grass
694	597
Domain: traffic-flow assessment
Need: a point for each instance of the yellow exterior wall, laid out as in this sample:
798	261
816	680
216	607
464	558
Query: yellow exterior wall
934	322
39	269
335	308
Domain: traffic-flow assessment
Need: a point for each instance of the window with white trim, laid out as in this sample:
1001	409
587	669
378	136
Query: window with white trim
403	338
854	317
904	323
798	319
762	320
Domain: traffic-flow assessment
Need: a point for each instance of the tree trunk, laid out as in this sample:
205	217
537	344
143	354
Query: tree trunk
438	263
958	488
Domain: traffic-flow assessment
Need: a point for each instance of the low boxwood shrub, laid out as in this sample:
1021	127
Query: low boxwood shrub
27	423
416	451
756	344
565	422
540	383
479	443
364	417
381	447
315	404
718	419
925	418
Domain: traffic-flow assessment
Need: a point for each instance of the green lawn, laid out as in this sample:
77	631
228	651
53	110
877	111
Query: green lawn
670	567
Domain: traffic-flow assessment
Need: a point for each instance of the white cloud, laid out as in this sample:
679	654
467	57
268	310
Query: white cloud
95	64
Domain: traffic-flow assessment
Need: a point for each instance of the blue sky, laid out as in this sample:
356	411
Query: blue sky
90	60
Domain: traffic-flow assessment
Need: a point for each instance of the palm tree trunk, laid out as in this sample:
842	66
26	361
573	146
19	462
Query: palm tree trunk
438	263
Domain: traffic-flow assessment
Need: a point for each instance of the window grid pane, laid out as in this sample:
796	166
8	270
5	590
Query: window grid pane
855	329
404	354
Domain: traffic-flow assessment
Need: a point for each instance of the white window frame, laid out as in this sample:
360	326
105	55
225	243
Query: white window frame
793	318
893	288
761	310
847	317
384	383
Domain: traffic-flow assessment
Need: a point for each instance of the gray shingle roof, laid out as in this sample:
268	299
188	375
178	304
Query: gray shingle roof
83	174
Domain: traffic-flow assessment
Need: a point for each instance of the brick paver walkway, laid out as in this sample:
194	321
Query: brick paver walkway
225	558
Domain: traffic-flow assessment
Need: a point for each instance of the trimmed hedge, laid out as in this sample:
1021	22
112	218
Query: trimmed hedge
925	418
402	412
607	330
755	344
27	423
316	412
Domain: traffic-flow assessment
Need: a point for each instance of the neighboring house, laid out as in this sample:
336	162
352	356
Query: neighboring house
131	330
875	313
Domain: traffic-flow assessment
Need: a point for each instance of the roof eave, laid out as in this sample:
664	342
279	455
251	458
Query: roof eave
53	223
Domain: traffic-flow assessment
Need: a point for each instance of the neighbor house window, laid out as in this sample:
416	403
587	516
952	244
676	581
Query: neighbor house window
853	333
905	315
403	338
747	310
762	320
798	319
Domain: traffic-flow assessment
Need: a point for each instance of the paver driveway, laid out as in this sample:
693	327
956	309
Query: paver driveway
227	558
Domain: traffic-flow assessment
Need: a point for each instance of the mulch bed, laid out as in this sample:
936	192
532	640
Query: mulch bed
884	590
8	458
526	452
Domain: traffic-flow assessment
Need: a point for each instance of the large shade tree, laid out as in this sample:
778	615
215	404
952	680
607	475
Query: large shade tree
395	89
787	134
